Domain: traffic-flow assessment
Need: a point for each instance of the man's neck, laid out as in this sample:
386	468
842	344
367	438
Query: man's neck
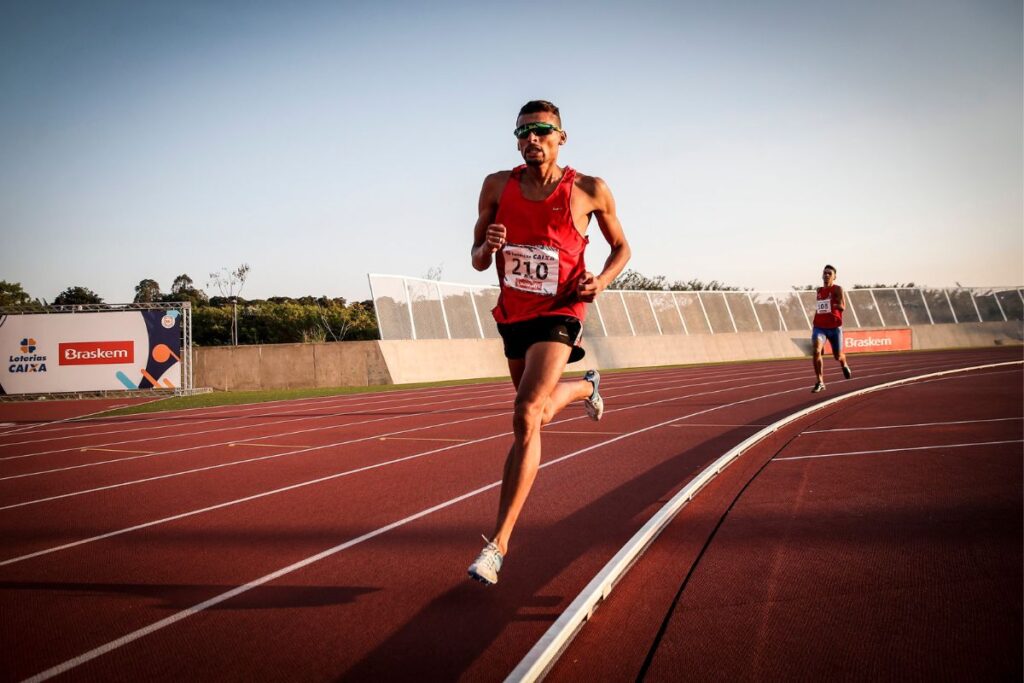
545	174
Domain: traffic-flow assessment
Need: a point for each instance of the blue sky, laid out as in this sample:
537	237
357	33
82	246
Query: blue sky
749	142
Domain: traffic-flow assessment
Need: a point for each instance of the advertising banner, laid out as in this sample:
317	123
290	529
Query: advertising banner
860	341
86	351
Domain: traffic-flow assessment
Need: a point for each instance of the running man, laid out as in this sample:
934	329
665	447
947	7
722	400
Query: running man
535	219
828	324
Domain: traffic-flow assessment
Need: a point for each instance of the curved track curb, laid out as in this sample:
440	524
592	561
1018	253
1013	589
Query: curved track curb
543	655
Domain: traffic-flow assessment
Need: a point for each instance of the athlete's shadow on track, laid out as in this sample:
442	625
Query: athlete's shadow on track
444	640
181	596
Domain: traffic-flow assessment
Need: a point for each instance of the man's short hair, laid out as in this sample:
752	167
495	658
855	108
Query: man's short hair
832	268
538	106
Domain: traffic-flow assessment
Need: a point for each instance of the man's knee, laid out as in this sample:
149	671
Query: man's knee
528	413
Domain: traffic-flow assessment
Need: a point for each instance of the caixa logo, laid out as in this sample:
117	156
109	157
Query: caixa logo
29	360
96	353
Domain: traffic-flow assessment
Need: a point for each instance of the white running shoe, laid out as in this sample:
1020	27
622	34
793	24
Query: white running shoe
818	386
595	404
487	565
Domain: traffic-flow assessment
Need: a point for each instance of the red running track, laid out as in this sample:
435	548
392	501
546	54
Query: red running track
328	538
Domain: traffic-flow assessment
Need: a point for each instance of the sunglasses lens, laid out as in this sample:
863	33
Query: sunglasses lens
539	129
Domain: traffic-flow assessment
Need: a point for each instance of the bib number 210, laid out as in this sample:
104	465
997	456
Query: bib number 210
531	268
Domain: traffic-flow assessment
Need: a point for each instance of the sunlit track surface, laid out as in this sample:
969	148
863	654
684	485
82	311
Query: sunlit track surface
328	538
880	538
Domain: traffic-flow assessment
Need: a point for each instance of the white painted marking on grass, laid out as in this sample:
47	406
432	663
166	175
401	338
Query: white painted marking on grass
939	446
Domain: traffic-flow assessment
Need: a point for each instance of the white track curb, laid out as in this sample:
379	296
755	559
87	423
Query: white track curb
539	660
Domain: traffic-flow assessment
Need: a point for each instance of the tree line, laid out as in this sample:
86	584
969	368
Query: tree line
276	320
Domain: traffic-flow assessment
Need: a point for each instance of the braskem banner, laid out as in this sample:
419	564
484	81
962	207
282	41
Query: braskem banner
860	341
57	352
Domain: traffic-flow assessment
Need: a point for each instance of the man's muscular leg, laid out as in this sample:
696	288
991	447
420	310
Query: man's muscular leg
819	364
539	397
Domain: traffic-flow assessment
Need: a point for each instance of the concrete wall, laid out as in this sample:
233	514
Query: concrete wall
281	366
287	366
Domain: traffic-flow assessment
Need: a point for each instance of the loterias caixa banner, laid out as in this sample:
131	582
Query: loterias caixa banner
100	351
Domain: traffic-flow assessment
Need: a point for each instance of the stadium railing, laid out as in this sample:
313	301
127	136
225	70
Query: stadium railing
417	308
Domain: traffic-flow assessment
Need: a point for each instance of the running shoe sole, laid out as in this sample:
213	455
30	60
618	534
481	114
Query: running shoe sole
595	404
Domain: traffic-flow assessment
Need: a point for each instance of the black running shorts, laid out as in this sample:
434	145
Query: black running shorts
519	336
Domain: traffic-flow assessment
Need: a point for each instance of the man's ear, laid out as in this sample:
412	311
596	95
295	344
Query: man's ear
564	135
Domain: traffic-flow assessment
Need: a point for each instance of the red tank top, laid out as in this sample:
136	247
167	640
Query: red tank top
542	261
826	315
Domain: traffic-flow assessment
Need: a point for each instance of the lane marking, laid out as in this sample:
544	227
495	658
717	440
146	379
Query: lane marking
546	431
418	438
264	445
352	424
899	450
546	651
908	426
113	450
368	438
714	425
174	618
603	591
223	419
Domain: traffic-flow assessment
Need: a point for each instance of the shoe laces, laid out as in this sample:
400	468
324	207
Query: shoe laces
490	554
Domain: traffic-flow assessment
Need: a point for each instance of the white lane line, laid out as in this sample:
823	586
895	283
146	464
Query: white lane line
37	425
363	469
542	656
290	415
418	438
552	431
939	446
250	440
216	600
174	618
910	426
288	411
349	472
113	450
732	387
386	418
464	396
722	425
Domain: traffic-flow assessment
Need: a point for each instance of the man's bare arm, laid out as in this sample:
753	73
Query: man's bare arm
840	299
608	221
488	237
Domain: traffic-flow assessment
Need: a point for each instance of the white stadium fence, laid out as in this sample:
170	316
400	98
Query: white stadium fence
416	308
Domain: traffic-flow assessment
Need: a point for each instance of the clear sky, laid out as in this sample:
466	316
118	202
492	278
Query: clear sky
749	142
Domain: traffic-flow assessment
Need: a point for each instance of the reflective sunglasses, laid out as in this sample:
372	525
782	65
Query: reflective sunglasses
540	128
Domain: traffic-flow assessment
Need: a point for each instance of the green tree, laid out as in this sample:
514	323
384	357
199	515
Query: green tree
635	280
184	289
77	295
147	291
12	294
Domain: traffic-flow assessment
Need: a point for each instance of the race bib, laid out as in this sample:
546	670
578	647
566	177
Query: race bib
824	305
531	268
